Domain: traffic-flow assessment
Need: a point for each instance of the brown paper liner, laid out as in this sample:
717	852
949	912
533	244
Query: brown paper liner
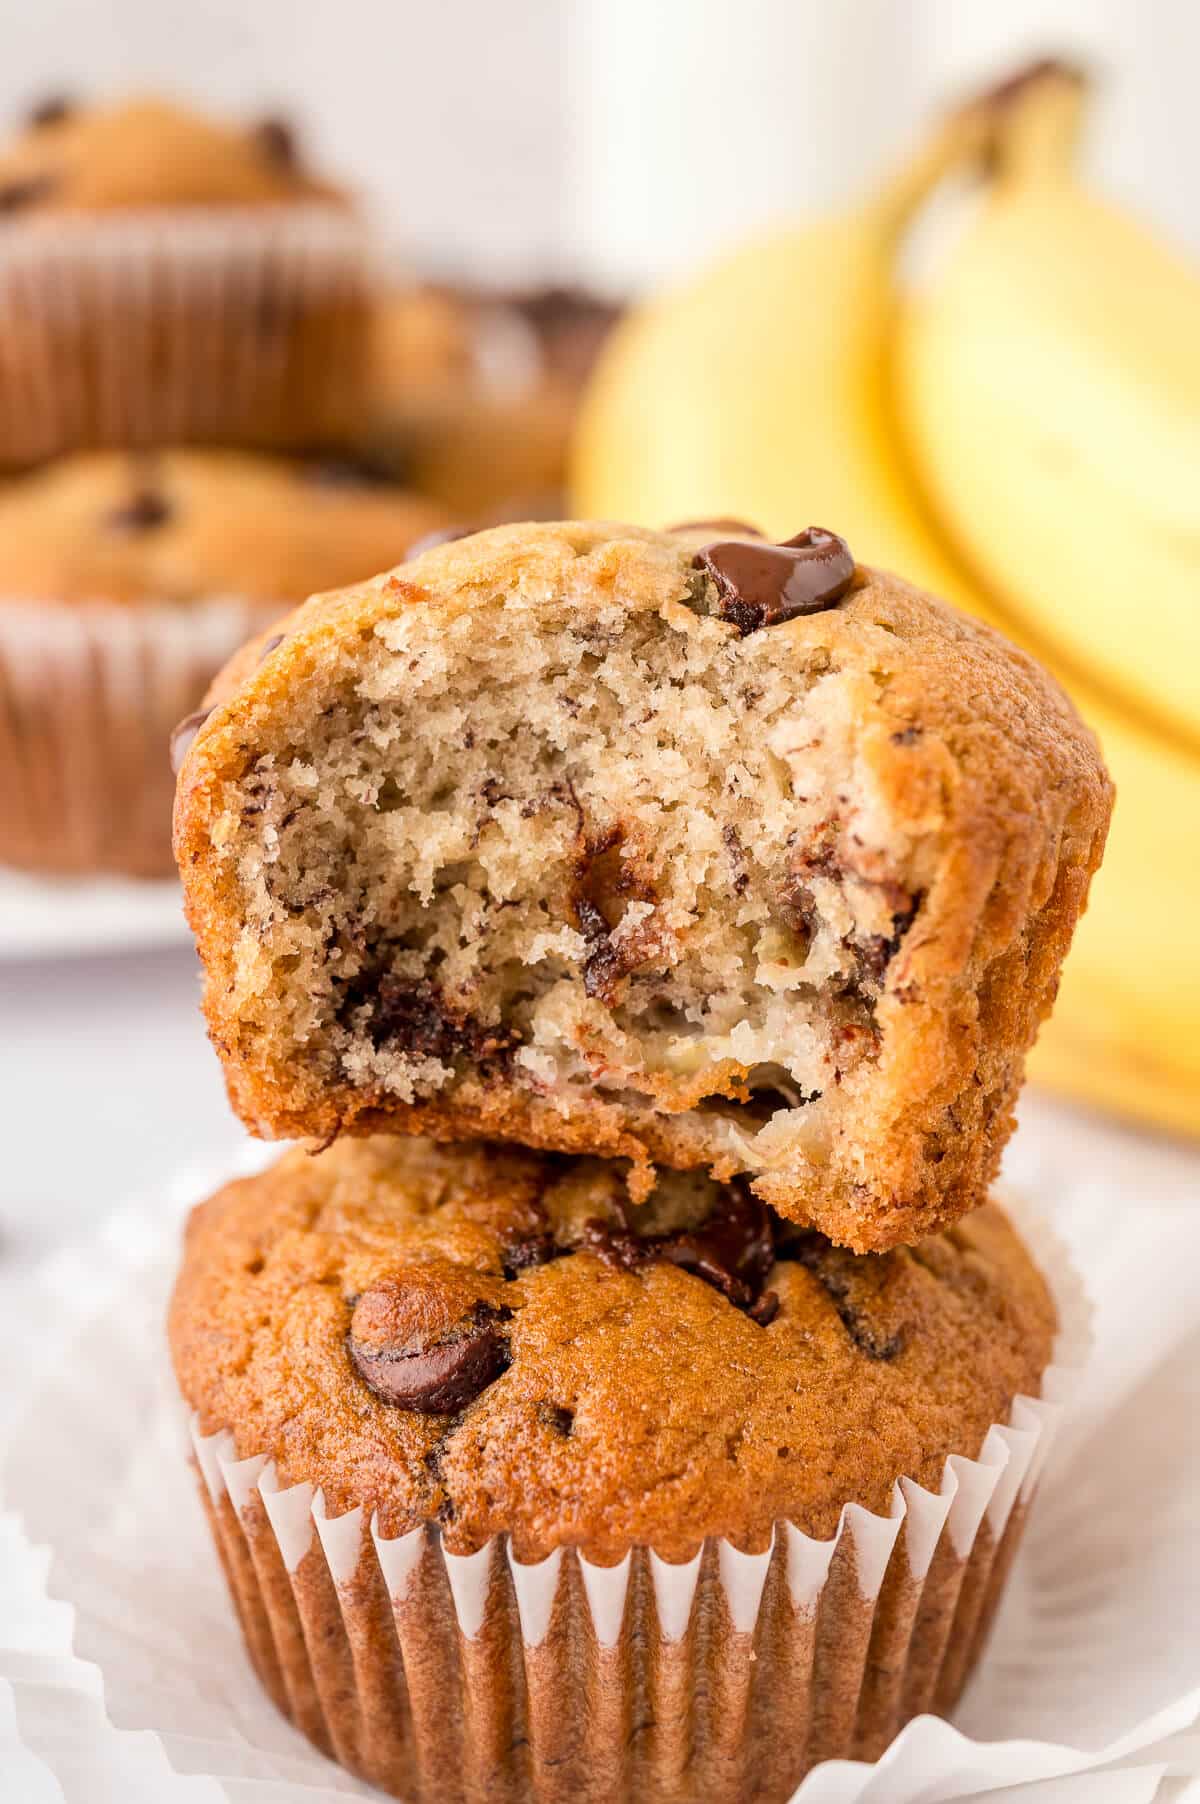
217	326
89	696
448	1679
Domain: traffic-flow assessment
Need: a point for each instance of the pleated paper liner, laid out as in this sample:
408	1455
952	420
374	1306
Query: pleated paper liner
446	1677
89	696
189	325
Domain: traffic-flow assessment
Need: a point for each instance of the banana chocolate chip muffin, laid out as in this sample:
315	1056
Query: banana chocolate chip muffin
475	1342
474	392
675	847
217	287
126	581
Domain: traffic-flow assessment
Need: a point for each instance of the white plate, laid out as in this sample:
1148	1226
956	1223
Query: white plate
53	918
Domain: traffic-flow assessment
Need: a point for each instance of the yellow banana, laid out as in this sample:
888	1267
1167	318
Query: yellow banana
763	390
1048	379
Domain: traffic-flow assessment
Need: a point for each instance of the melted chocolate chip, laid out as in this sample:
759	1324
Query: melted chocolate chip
444	535
184	734
276	138
415	1017
603	881
840	1275
523	1255
143	512
443	1375
733	1250
762	585
15	196
51	111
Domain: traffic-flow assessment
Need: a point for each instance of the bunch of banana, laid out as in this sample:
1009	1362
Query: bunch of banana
1021	435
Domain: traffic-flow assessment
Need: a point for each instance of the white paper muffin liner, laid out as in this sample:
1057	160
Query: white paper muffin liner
89	696
449	1677
233	326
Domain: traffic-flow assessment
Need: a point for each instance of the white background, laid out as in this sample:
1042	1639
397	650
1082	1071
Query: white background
620	139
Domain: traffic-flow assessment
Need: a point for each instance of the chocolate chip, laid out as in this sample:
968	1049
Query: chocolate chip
436	1369
14	196
51	111
276	138
765	1310
270	645
733	1250
444	535
184	734
846	1280
143	512
762	585
414	1016
523	1255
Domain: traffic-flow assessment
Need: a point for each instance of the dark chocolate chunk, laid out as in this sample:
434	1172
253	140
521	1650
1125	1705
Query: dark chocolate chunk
184	734
762	585
26	192
765	1310
444	535
733	1250
603	881
846	1279
414	1016
276	138
144	511
51	111
442	1375
523	1255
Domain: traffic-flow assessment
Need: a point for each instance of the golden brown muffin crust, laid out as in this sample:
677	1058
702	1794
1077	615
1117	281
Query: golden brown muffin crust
148	153
185	525
637	1406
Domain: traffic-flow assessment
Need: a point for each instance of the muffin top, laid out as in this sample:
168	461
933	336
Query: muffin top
70	157
180	526
498	1342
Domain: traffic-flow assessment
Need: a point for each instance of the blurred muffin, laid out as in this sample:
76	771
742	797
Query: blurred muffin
126	581
473	393
583	1465
165	278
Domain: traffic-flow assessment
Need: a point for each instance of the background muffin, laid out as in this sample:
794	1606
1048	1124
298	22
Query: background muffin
478	1342
125	583
165	278
474	392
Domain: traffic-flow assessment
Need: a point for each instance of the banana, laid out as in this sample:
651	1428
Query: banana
1048	379
764	390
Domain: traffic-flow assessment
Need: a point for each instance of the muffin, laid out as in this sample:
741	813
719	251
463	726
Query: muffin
165	278
126	581
608	1499
473	394
681	848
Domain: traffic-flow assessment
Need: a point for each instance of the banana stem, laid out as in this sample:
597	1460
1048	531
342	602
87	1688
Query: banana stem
963	139
1036	122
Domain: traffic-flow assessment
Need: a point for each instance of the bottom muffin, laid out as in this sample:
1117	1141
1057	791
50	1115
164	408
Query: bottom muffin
522	1492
